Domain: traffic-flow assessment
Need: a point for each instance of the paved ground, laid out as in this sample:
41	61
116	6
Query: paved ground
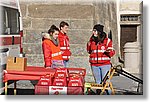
125	85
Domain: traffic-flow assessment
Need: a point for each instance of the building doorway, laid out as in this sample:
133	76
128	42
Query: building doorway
128	34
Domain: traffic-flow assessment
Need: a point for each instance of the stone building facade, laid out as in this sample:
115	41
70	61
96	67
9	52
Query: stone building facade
131	35
39	15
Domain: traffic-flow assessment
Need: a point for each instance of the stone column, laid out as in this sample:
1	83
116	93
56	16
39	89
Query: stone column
133	59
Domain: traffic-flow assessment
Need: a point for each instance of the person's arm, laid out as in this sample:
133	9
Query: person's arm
110	50
88	48
47	54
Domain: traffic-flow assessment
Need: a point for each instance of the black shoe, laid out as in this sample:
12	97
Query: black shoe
98	91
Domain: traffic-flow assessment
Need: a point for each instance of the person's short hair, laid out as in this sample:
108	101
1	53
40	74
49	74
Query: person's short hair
63	23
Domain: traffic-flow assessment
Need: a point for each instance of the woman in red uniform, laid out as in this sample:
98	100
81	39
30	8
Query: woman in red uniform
51	47
101	50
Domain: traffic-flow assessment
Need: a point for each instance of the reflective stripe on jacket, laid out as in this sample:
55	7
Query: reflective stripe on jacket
51	52
64	46
98	56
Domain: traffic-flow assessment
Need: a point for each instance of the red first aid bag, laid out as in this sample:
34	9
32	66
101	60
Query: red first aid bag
60	81
45	80
75	81
61	72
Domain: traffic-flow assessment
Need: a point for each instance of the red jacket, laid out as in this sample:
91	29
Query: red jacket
51	52
64	46
101	53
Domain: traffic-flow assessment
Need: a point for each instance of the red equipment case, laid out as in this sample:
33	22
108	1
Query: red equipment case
65	81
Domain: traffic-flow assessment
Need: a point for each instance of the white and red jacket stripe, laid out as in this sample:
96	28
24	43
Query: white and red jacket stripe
64	46
98	54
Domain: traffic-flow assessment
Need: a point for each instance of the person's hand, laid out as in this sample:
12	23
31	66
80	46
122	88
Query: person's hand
48	67
108	50
88	43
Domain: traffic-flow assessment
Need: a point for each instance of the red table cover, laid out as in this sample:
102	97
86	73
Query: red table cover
34	73
30	73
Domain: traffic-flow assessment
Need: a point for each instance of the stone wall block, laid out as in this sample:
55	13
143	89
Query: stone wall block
79	36
27	23
60	11
33	36
23	9
78	50
81	24
46	23
33	49
33	58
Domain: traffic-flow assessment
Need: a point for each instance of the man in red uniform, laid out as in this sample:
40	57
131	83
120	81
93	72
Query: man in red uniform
64	42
